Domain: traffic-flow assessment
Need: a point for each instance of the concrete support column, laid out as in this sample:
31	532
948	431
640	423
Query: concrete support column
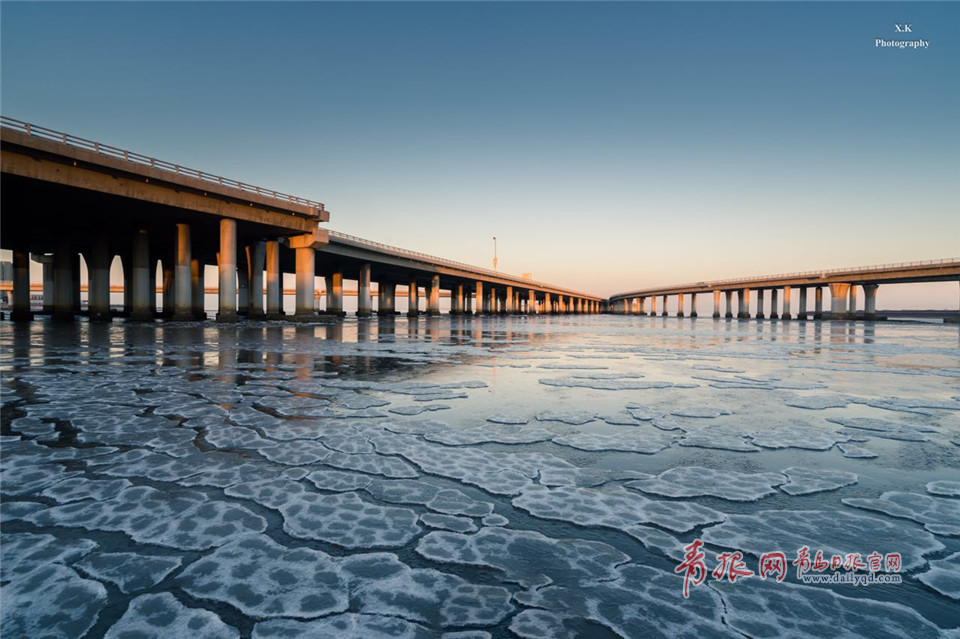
141	308
743	312
334	286
478	292
467	301
759	303
386	298
183	278
508	301
433	303
870	301
802	312
838	300
680	305
817	303
48	289
20	304
716	303
729	304
852	310
98	281
256	256
227	267
198	288
413	298
456	300
531	303
64	264
275	281
773	303
693	304
306	282
664	311
364	303
786	312
653	305
547	304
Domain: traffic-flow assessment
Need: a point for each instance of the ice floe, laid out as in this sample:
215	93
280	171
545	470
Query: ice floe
798	435
21	553
609	384
448	501
634	440
696	481
805	481
884	428
939	515
566	417
944	488
77	488
448	522
161	615
856	452
944	576
130	572
51	601
491	433
700	412
348	625
817	402
719	437
512	420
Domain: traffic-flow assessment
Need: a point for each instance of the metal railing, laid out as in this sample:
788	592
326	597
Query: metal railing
144	160
399	252
784	276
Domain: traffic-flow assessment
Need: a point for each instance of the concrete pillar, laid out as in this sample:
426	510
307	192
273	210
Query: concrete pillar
680	305
20	304
579	305
729	304
817	303
531	303
478	291
716	303
743	312
802	312
433	303
653	305
48	289
467	301
516	301
838	300
547	304
456	299
786	312
183	277
64	264
243	285
693	304
664	311
198	288
334	286
141	309
364	303
870	301
852	309
256	256
386	298
773	303
227	267
759	303
306	282
275	282
508	301
98	281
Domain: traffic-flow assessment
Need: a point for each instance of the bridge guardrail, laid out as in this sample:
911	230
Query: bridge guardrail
782	276
144	160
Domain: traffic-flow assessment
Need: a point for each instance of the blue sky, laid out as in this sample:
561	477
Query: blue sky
608	146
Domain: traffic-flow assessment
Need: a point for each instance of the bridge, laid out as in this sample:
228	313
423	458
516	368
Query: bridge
65	197
842	283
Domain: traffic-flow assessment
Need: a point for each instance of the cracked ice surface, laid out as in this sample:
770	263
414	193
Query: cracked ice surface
939	515
944	576
183	519
128	571
695	481
884	428
51	601
797	435
834	532
944	488
21	553
163	615
764	608
719	437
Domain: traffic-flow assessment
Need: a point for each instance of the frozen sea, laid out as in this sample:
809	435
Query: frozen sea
457	477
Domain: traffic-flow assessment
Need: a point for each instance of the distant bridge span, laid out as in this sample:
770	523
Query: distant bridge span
843	284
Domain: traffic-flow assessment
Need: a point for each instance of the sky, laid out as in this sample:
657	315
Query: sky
608	146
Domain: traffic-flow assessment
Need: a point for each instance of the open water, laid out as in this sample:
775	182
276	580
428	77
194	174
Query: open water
478	477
